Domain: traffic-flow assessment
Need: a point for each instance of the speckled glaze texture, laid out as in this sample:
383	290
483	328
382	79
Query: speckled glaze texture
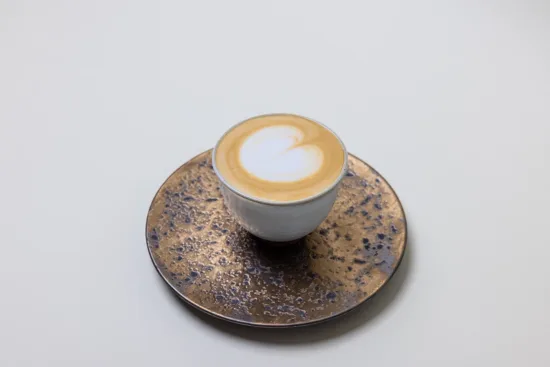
215	265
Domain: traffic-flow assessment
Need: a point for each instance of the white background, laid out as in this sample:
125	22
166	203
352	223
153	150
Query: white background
101	100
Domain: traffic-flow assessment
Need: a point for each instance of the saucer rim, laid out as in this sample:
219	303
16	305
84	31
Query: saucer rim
277	325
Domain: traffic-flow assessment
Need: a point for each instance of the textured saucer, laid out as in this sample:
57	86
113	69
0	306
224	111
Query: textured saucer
216	266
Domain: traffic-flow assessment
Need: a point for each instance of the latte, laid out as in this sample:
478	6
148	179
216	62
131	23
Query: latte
280	158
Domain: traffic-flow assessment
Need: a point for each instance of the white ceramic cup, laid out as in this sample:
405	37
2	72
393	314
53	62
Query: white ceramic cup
279	221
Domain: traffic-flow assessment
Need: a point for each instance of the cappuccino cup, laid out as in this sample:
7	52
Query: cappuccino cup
280	174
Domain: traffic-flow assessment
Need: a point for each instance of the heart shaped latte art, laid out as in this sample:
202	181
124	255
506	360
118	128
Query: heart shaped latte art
274	154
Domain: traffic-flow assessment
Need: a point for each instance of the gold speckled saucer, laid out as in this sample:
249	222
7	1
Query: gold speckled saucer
218	267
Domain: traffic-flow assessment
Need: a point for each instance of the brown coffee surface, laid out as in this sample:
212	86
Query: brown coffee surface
230	166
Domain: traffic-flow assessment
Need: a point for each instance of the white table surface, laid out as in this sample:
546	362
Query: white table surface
101	100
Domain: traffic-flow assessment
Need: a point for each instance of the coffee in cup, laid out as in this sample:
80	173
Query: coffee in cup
280	174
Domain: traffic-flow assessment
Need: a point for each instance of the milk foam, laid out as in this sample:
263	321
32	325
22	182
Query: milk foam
275	153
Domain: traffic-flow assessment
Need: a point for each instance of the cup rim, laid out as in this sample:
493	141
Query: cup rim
273	202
